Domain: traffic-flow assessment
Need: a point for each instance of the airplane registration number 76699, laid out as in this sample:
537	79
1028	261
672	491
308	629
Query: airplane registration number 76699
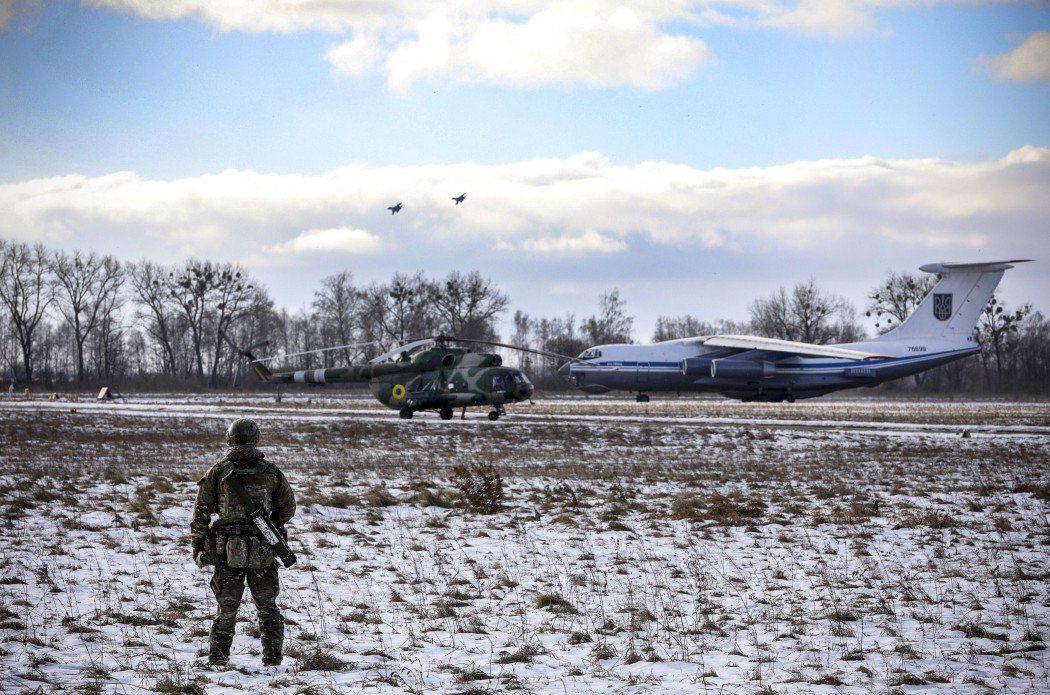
916	348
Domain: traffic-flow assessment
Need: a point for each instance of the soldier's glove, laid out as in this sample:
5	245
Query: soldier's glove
202	554
204	558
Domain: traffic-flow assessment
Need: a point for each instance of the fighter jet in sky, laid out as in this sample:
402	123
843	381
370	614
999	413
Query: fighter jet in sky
460	198
394	209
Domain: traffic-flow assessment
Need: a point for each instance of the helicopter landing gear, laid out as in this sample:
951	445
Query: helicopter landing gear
405	413
642	398
446	412
495	414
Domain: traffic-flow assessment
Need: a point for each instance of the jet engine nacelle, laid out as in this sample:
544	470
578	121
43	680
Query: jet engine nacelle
696	366
742	369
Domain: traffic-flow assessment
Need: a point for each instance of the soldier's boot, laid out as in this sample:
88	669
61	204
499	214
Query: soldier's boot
219	647
221	637
271	627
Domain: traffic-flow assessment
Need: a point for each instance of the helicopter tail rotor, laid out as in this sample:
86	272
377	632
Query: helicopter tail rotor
260	370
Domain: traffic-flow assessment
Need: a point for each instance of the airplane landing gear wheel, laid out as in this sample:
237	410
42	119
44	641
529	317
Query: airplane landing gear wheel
642	398
494	415
446	413
405	413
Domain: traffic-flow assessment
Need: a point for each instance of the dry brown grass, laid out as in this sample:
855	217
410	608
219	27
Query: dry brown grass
809	557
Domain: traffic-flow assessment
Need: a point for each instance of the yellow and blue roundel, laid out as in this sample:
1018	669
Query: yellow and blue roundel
398	391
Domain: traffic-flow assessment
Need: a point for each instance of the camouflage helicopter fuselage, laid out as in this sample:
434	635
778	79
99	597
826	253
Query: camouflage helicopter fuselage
439	378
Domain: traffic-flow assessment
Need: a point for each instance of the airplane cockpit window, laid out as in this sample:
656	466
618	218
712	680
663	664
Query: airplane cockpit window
590	354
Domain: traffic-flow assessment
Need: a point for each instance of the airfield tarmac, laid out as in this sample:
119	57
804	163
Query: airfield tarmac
685	545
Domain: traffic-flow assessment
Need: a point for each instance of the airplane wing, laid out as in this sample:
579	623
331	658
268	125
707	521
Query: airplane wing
751	342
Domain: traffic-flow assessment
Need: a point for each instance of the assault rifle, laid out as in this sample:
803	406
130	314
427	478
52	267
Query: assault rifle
260	519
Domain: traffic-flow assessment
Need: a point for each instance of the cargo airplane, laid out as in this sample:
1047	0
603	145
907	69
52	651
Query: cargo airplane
753	368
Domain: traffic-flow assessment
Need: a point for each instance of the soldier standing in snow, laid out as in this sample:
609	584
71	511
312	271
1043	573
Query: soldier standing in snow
234	545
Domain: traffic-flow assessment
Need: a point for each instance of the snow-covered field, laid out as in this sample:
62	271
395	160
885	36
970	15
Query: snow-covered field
679	546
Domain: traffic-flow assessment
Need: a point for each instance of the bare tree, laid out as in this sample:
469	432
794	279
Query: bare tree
612	324
108	337
7	351
896	299
996	333
806	315
85	285
231	295
401	310
154	295
674	327
189	287
560	336
210	298
522	337
337	306
772	316
1032	368
688	326
27	290
523	326
261	322
469	304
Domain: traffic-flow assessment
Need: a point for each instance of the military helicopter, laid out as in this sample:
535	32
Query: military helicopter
424	374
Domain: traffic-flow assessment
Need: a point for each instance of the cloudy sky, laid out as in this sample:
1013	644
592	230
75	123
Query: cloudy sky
696	154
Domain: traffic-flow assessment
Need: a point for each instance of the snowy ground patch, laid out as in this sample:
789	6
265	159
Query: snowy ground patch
677	546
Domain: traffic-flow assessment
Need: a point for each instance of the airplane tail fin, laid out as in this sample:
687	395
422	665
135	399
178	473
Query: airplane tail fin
951	310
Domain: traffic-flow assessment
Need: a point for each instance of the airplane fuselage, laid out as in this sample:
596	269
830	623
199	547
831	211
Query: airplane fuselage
685	366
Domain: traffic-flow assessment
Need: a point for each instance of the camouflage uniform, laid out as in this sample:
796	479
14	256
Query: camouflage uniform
240	554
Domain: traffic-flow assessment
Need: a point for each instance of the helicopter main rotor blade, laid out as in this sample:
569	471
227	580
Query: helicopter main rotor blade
543	353
230	343
315	351
243	352
407	347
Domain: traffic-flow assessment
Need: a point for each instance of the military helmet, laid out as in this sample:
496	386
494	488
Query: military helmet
242	431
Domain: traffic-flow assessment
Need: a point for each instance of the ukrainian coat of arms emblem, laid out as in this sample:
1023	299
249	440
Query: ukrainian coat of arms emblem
942	306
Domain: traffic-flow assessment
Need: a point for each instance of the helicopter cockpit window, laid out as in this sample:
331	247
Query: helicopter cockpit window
590	354
500	382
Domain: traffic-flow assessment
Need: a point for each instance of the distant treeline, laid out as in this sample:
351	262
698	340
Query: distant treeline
78	319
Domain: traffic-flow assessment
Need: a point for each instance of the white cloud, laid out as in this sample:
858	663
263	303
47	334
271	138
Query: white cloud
520	42
337	240
262	15
589	241
830	17
1028	62
566	43
356	57
555	207
603	43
